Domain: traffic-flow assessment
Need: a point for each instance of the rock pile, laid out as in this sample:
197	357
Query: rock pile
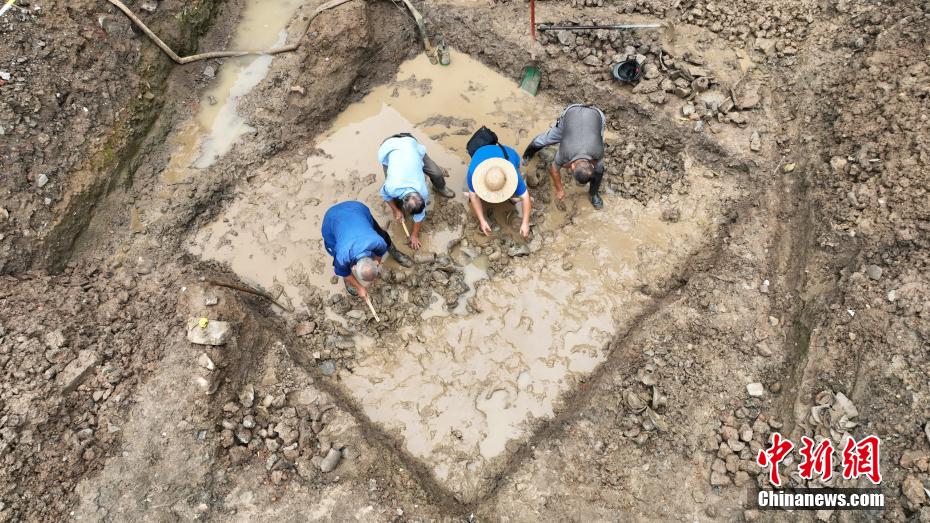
63	383
739	437
772	31
288	437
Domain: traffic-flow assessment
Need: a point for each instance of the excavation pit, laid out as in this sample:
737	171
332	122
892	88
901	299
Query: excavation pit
458	385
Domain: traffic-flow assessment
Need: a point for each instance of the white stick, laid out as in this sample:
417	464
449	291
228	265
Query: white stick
372	309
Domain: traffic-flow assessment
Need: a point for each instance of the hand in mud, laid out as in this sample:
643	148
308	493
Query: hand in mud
414	242
398	214
485	228
560	205
525	230
363	293
560	194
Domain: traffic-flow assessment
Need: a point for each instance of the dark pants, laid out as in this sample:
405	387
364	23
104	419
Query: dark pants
597	178
430	168
383	234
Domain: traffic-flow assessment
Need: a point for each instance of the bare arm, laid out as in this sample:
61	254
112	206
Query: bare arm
556	181
398	214
527	210
479	212
415	235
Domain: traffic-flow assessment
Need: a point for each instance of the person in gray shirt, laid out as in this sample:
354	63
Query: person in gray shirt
579	132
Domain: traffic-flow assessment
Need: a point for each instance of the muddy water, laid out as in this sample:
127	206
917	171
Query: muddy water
271	235
457	387
218	125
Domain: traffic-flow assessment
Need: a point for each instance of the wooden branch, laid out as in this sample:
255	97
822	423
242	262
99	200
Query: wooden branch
223	54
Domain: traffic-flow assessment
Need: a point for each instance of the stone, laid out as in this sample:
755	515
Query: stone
657	97
210	301
54	339
741	478
5	76
755	390
213	333
719	479
244	435
149	6
592	61
328	367
874	272
209	72
247	396
227	438
765	45
239	455
331	461
272	445
838	163
205	362
687	109
77	371
913	491
732	463
305	328
700	84
306	469
755	142
748	95
650	71
41	180
646	87
144	265
287	433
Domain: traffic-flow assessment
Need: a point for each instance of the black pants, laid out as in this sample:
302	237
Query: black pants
383	234
597	178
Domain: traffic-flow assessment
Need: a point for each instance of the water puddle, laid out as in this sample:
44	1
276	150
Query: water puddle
459	386
218	125
271	235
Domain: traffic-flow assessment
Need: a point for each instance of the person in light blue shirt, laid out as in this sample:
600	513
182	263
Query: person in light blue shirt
357	244
406	166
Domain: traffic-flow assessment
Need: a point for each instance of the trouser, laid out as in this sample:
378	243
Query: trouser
383	234
430	168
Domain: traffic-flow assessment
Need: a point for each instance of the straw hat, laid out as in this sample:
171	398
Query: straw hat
494	180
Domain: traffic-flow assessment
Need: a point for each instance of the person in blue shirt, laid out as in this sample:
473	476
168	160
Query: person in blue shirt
406	166
493	177
358	245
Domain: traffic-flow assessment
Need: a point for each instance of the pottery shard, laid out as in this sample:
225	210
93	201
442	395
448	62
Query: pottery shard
214	333
748	95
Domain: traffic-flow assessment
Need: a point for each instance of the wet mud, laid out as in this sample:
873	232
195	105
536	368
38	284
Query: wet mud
486	333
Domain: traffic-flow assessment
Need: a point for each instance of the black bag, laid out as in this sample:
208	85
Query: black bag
482	137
